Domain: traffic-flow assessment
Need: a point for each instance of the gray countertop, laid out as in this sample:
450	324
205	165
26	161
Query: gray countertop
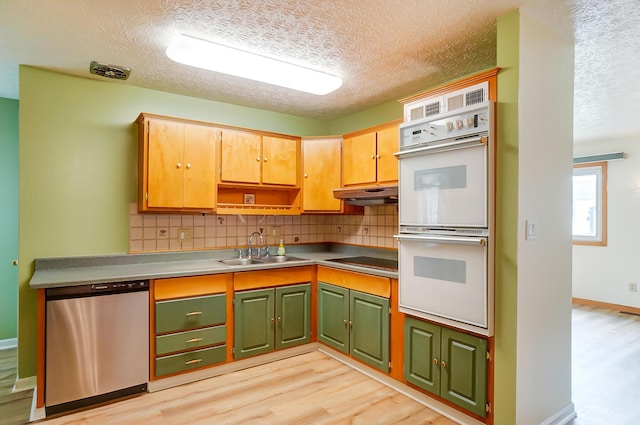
73	271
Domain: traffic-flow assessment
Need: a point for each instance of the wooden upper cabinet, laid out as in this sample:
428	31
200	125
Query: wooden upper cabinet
176	165
321	174
359	159
255	159
280	161
240	158
387	145
368	158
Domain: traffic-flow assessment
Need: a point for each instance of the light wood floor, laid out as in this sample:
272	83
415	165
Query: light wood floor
605	366
312	388
14	407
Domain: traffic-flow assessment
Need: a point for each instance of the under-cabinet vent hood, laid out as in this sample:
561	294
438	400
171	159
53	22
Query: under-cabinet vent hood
372	195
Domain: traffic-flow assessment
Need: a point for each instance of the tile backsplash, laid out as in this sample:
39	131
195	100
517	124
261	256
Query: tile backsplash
159	232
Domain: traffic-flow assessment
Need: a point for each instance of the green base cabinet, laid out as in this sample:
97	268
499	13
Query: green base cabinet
271	319
354	323
447	363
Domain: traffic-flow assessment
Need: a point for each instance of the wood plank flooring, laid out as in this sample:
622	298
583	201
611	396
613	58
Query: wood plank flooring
606	366
14	407
312	388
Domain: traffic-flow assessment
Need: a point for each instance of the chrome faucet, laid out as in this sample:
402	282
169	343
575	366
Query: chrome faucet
251	239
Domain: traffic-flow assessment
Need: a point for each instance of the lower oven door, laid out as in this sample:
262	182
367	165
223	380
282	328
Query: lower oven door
444	279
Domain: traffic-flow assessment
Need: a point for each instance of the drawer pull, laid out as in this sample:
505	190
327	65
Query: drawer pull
192	340
194	361
193	313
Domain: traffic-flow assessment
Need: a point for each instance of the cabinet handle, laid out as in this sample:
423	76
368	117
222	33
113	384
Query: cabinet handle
193	313
179	165
265	159
377	156
306	175
435	362
373	156
272	320
279	319
344	322
258	158
192	340
443	364
350	323
194	361
188	165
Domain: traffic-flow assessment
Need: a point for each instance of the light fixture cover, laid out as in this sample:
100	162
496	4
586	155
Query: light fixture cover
227	60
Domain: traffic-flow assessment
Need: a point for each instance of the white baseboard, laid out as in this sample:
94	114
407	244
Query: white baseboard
563	417
37	413
24	384
8	343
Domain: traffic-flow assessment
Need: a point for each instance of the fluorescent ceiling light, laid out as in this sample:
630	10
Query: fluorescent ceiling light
227	60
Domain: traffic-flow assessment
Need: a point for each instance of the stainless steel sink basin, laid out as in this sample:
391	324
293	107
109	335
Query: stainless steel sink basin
239	261
261	260
279	259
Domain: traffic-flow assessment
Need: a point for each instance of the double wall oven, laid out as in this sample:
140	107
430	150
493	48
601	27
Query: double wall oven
446	215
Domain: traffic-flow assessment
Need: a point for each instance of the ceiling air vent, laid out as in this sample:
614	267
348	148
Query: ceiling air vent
109	71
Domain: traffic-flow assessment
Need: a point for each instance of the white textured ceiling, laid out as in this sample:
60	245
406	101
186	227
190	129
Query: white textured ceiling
383	49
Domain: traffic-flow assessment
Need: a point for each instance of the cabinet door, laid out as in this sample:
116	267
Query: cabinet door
166	168
240	157
333	316
254	323
280	161
359	159
292	316
464	370
369	339
199	167
422	354
387	145
321	171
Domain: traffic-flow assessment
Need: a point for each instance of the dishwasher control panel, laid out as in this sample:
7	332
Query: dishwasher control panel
95	289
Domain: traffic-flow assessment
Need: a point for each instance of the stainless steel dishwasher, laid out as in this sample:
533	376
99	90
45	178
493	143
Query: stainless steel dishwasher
97	344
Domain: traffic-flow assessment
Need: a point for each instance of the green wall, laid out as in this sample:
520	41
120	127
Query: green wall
78	168
505	355
8	217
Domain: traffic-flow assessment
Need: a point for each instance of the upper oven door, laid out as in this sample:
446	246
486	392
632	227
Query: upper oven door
445	185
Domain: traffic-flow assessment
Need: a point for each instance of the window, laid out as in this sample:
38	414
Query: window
589	220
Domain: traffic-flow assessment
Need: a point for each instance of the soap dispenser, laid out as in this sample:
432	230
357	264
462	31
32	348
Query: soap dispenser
281	250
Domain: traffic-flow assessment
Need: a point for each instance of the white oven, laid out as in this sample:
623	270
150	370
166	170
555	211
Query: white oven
446	192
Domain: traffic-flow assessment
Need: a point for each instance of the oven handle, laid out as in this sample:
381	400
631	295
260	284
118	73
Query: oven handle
460	240
454	144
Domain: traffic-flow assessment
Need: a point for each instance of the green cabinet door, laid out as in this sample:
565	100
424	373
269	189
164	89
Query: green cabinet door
369	333
447	363
254	322
293	315
464	370
333	316
422	354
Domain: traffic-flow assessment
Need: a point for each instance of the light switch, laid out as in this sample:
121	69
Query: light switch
531	229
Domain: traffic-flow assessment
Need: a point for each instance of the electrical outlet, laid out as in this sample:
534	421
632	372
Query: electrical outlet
275	231
185	235
633	286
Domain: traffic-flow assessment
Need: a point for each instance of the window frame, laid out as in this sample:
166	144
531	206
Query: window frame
601	237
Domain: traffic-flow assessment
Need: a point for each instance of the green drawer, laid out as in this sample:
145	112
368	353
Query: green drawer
172	343
190	313
191	360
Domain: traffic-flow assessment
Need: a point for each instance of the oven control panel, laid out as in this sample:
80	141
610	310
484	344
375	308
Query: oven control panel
463	122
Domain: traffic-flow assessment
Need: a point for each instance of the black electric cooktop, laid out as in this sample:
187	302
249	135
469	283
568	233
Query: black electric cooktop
377	263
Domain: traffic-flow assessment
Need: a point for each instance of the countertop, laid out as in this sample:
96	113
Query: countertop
73	271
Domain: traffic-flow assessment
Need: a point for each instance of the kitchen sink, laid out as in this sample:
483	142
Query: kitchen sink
261	260
278	259
239	261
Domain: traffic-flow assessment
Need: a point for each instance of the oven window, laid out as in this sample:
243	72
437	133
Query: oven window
441	178
440	269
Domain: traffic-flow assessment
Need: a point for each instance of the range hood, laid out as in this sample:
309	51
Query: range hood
371	195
